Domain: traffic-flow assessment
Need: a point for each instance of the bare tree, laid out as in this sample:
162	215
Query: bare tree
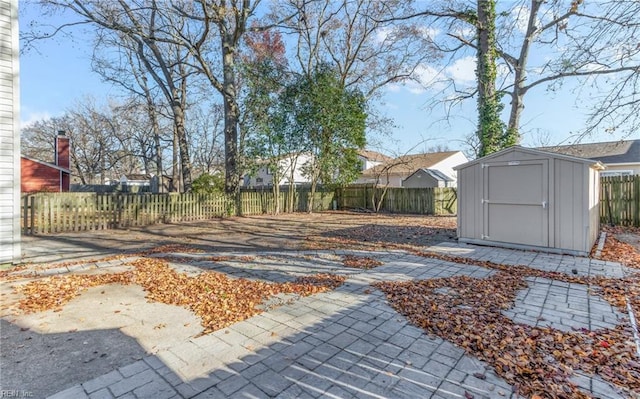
205	129
108	139
594	43
356	38
148	28
128	71
213	37
382	173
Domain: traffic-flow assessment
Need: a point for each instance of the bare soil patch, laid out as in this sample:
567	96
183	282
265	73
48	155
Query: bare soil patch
250	233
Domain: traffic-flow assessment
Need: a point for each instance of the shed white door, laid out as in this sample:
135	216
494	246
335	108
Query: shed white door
515	202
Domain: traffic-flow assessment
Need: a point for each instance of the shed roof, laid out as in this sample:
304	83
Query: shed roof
591	162
407	164
436	174
611	152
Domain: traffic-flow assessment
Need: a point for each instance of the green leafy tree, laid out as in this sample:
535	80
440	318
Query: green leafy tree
208	184
333	121
268	143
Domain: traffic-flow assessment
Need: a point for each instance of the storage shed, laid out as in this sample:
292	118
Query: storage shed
530	199
427	178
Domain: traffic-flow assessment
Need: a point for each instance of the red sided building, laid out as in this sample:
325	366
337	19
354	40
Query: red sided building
38	176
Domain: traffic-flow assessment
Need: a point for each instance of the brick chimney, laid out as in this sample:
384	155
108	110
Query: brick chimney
62	150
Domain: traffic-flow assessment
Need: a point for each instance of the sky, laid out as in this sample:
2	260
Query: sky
56	74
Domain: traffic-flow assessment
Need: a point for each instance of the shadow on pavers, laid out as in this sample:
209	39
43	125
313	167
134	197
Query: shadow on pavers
359	350
314	347
39	365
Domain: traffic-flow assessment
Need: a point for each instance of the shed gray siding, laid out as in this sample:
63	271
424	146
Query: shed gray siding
425	181
9	134
571	206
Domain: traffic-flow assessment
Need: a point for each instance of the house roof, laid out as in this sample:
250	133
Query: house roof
436	174
373	156
407	164
590	162
136	176
623	151
48	164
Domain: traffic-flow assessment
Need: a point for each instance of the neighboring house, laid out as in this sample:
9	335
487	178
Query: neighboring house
264	175
9	134
425	178
39	175
144	183
369	159
395	171
619	157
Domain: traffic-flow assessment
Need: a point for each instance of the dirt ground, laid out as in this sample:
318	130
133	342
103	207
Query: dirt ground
251	233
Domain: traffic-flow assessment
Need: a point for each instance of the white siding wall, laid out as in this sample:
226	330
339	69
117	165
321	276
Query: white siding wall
446	165
264	177
366	163
634	168
9	134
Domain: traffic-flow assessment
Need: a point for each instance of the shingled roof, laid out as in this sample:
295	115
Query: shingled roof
612	152
373	156
407	164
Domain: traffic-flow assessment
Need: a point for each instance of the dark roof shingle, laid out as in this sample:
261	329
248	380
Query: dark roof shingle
612	152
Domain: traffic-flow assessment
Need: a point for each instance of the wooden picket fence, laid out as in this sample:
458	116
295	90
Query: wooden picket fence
620	200
426	201
46	213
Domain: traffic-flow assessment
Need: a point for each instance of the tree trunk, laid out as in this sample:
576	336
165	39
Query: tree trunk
276	196
292	186
185	162
174	164
231	117
490	126
312	194
155	129
512	135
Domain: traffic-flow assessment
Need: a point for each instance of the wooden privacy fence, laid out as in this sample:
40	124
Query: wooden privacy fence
428	201
255	202
620	200
46	213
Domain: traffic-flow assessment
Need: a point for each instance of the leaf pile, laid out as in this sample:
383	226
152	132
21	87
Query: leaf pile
213	258
360	262
216	298
615	291
54	292
617	251
468	312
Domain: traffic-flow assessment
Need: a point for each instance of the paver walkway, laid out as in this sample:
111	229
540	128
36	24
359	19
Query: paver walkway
348	342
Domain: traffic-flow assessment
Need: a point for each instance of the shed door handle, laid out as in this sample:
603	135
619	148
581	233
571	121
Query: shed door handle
544	204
